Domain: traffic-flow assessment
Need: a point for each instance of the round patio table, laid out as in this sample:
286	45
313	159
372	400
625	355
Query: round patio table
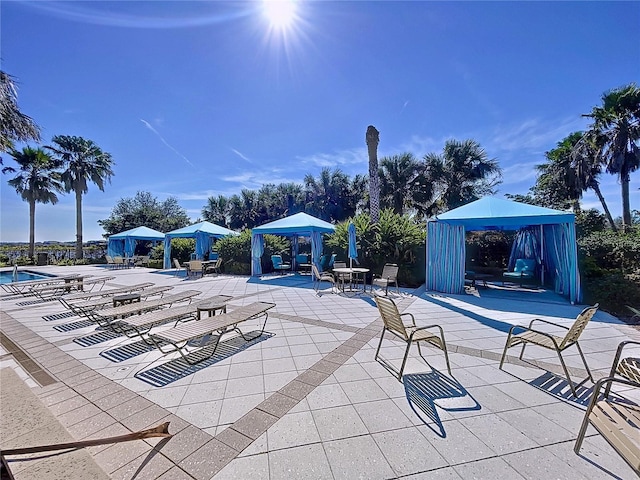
125	298
356	274
211	308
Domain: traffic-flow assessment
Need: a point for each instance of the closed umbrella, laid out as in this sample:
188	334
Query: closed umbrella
353	249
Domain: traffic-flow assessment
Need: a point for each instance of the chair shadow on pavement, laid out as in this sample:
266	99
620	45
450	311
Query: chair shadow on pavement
423	390
558	386
178	368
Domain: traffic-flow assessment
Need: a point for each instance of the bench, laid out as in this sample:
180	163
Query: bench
177	339
618	421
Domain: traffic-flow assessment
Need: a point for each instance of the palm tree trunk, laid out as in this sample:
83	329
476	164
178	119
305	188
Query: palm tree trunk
596	188
79	254
373	137
32	228
626	207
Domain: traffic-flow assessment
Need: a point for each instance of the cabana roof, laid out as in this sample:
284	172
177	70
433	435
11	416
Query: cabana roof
206	227
490	213
298	224
139	233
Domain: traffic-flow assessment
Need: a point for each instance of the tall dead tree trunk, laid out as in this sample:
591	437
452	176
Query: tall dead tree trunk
373	138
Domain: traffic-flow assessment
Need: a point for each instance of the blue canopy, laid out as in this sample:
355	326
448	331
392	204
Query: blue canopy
124	243
554	239
203	232
298	225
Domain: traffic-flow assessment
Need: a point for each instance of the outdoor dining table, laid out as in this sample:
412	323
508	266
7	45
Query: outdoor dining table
356	274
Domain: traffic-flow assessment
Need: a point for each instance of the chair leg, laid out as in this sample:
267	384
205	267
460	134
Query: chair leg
584	360
379	345
404	361
566	372
504	352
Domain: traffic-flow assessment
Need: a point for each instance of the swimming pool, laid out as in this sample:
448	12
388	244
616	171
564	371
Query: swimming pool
6	276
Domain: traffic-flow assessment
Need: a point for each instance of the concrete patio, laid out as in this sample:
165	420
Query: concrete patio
306	399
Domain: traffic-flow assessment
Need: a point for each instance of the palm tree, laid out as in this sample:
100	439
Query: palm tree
216	210
36	182
84	161
615	132
402	185
462	173
372	138
329	196
14	125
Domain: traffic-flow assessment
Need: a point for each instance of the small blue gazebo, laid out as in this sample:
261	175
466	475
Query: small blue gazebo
203	232
124	243
298	225
545	234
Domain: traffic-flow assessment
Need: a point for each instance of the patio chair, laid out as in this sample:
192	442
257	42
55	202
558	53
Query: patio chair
279	265
194	267
635	311
213	267
341	278
628	367
524	271
617	420
389	276
553	342
319	277
110	262
141	261
394	324
178	267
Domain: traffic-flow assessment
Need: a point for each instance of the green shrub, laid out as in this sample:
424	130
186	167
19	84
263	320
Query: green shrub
612	251
181	248
613	292
394	239
156	264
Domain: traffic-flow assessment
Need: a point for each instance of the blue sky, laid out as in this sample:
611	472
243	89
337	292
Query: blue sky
206	98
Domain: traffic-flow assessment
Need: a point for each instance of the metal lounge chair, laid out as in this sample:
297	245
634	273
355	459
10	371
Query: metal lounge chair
177	339
82	308
617	420
389	277
45	292
393	323
105	316
553	342
140	325
319	277
23	288
76	297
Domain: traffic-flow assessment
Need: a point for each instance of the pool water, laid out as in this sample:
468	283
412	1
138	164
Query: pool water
7	276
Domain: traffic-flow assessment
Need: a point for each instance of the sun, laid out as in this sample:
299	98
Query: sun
280	13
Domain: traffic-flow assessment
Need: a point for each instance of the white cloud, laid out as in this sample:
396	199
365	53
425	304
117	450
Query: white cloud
148	125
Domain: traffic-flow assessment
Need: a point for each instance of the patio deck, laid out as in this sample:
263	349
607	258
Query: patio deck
307	400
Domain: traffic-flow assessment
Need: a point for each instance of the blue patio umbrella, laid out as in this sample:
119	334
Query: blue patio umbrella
353	249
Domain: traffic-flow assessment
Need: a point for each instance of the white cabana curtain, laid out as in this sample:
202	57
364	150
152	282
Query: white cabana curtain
257	249
445	257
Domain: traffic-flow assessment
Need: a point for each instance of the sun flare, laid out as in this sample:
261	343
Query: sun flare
279	13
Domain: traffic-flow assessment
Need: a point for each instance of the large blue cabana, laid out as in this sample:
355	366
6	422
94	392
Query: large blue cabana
124	243
544	234
298	225
203	232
